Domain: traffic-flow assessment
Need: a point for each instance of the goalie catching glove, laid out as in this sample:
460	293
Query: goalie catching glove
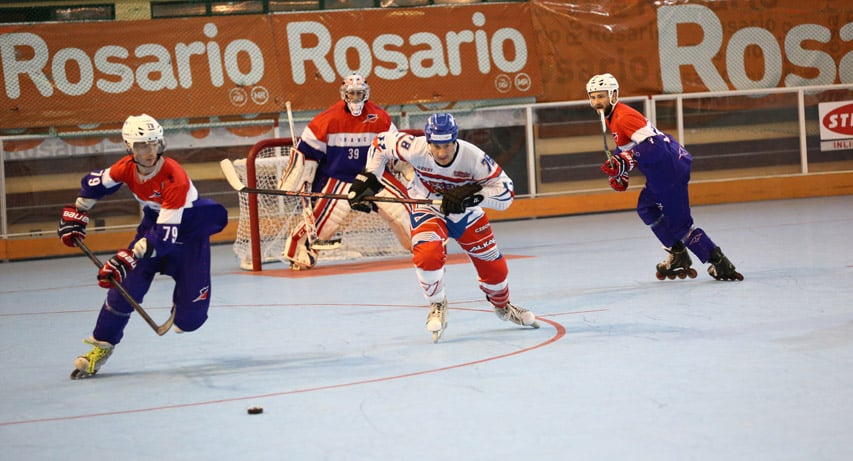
456	200
619	164
116	269
72	224
365	185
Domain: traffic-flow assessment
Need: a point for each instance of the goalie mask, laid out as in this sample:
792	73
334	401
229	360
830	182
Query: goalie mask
355	91
604	82
141	132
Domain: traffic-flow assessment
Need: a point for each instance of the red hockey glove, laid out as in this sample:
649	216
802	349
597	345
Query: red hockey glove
619	183
72	224
619	164
116	269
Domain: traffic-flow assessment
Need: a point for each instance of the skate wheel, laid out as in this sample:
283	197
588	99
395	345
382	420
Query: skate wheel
691	273
659	276
682	274
671	276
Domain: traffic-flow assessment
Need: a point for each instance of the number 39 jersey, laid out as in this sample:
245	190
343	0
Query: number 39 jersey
339	141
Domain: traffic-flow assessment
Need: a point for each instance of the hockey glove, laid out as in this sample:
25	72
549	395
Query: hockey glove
619	183
619	164
364	185
456	200
72	224
116	269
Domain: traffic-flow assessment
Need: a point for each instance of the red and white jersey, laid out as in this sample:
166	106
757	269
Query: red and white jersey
629	127
339	140
167	190
470	165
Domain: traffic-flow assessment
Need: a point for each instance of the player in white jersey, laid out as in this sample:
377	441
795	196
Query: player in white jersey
331	151
466	180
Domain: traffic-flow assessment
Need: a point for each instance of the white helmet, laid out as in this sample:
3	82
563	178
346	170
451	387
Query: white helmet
142	128
603	82
355	92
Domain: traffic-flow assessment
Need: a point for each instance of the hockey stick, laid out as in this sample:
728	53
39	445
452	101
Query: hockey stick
604	138
234	180
159	329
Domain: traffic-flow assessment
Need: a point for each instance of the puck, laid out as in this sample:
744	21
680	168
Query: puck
255	410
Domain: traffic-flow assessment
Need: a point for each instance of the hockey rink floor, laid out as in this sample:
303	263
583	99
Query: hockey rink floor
624	367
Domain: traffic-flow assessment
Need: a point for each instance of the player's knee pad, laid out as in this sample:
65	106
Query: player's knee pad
429	256
651	216
187	323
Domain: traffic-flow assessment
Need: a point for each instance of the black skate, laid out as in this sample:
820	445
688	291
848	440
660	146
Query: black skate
721	268
677	264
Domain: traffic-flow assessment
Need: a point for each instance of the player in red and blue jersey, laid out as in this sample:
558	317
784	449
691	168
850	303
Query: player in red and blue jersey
664	203
330	153
173	238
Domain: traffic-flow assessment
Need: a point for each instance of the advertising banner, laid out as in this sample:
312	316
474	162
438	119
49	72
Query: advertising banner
89	73
697	46
836	125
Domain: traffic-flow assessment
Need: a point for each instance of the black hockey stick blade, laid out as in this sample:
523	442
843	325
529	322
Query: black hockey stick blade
159	329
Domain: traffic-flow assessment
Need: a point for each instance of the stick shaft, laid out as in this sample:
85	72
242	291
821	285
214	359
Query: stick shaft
159	329
234	180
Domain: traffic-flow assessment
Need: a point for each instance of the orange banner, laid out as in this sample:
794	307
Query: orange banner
685	47
70	74
85	73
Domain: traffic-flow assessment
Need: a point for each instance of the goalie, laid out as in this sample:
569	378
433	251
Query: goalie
331	152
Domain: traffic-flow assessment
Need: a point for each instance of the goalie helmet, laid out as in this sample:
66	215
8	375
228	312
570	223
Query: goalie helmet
604	82
142	128
355	91
441	129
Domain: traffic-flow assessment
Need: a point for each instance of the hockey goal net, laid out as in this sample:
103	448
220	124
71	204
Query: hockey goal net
266	220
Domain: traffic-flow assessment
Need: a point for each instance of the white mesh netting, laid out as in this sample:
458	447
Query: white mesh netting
362	235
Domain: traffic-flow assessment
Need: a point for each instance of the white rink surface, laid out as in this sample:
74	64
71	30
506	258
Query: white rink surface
625	367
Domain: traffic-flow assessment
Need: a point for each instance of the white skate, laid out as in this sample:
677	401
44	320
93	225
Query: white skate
437	319
517	315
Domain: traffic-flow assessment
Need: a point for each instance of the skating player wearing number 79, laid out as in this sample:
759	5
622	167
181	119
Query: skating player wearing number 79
664	203
466	180
173	238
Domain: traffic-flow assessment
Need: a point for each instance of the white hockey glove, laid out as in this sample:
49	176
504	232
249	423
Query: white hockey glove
299	171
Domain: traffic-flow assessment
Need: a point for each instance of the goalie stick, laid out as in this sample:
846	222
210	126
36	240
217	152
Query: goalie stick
235	183
159	329
307	208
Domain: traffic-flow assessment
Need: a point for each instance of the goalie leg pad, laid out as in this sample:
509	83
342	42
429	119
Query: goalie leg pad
297	250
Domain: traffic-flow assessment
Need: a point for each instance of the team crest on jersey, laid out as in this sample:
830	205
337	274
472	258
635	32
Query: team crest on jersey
203	294
371	118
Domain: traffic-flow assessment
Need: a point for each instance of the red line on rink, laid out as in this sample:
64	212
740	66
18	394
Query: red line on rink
560	332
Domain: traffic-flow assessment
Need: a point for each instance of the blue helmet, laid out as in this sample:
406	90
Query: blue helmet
441	129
